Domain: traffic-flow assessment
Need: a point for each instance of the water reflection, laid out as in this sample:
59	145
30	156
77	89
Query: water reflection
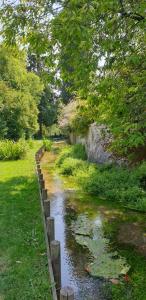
65	207
73	260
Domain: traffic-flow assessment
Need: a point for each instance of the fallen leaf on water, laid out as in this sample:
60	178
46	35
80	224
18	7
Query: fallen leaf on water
87	269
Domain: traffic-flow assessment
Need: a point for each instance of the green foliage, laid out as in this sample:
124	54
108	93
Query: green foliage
47	144
10	150
19	96
136	288
54	130
66	115
125	115
98	32
122	184
65	153
47	110
100	57
31	143
109	37
70	165
115	183
76	151
76	117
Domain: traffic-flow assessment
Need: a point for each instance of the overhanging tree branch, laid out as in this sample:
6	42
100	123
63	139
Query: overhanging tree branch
132	15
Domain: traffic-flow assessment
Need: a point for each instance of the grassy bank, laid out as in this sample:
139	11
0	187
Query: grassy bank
123	185
133	285
23	254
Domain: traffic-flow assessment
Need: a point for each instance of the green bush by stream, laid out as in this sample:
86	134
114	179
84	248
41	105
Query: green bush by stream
47	144
76	152
122	184
10	150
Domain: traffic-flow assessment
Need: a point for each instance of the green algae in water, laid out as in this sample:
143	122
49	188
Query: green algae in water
108	267
82	226
105	263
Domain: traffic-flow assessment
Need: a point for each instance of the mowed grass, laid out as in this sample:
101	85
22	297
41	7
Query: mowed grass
23	260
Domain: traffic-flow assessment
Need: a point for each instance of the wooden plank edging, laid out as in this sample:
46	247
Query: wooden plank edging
53	285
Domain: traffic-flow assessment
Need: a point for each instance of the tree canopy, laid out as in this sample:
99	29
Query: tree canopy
20	91
96	51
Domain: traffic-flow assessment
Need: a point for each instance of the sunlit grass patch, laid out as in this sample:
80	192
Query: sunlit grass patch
23	252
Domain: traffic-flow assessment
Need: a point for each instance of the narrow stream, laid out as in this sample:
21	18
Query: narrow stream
121	227
73	260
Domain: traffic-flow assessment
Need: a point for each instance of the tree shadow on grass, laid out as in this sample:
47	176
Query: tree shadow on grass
18	188
19	204
23	250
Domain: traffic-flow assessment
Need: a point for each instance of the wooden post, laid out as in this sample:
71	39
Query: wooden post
47	208
67	293
42	152
40	177
56	263
42	184
50	229
39	172
38	166
44	194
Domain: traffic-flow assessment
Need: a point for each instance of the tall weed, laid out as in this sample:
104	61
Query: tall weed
10	150
77	152
70	165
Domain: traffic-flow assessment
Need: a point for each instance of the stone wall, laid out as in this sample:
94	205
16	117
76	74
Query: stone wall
96	143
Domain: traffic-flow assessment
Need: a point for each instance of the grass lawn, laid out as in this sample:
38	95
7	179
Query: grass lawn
23	261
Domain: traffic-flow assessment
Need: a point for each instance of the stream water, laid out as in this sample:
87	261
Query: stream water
73	259
122	228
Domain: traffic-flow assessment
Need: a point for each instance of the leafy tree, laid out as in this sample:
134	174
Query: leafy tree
113	32
19	95
48	103
99	49
47	110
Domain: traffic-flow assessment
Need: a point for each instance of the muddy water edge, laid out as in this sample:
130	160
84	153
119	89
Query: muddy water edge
125	231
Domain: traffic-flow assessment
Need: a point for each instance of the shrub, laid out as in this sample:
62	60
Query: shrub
31	143
10	150
122	184
47	144
65	153
70	165
140	174
77	151
114	183
88	179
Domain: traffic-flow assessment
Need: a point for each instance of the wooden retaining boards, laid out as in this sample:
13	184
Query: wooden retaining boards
52	246
53	289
